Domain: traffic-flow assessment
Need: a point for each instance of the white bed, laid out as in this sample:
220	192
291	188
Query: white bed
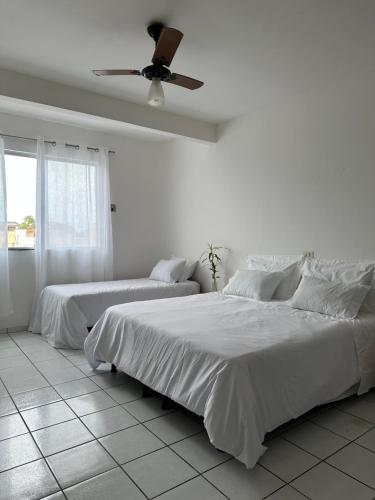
65	312
245	366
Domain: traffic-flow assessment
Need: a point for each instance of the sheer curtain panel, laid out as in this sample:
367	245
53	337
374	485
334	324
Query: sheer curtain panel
5	297
73	216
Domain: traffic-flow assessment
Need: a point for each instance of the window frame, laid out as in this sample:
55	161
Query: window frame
14	152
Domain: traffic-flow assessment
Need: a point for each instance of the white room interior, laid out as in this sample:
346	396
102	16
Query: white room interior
273	155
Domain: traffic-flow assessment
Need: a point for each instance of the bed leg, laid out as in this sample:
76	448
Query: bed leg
113	368
166	403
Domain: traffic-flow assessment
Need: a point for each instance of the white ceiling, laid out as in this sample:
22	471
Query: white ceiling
250	53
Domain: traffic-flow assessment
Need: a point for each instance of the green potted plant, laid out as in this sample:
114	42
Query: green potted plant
211	259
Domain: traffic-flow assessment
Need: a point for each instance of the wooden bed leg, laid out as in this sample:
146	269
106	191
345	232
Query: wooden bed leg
166	403
146	393
113	368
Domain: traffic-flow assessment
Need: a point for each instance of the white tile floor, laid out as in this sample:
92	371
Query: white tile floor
70	432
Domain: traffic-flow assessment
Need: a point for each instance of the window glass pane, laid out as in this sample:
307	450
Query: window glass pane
21	193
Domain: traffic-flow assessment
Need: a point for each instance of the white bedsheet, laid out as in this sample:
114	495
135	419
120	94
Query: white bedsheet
246	366
64	312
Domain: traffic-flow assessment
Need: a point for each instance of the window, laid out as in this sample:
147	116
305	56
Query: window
21	193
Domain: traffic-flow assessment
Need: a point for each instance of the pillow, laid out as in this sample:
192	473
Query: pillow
190	266
289	264
356	273
258	285
169	271
334	298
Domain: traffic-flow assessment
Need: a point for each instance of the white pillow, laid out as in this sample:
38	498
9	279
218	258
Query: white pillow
289	264
359	273
169	271
334	298
258	285
190	266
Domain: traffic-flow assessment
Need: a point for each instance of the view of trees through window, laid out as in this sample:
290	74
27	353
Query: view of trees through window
21	194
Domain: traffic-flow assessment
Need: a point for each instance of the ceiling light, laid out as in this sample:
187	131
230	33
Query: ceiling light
155	94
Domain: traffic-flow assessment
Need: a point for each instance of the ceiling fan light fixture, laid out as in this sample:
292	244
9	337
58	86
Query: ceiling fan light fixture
156	93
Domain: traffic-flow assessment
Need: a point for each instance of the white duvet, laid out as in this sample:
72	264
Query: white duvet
245	366
64	312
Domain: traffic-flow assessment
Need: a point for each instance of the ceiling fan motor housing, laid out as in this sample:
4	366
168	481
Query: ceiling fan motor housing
156	71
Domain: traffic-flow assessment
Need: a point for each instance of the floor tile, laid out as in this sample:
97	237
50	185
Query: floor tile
78	358
131	443
197	488
56	496
314	439
368	440
239	483
108	421
106	380
62	436
80	463
342	423
323	482
76	388
286	493
25	379
9	352
17	451
125	393
20	361
360	408
39	397
286	460
146	408
174	427
39	352
89	403
7	406
12	425
199	452
357	462
58	371
51	414
114	485
3	391
159	471
27	482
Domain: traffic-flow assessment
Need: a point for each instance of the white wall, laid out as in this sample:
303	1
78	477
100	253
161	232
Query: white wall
293	177
138	187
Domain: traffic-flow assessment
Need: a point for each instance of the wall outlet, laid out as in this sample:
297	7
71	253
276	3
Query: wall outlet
309	254
113	207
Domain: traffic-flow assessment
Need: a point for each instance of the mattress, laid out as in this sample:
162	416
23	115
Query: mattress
65	312
245	366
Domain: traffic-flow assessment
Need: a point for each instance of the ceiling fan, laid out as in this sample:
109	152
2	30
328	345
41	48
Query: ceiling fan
167	41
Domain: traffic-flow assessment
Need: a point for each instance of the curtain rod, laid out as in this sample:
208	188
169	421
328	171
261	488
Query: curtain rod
76	146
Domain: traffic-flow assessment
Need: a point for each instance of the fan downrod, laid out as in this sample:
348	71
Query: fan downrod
154	30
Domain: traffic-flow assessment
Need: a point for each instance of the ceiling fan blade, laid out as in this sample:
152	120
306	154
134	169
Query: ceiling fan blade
168	43
109	72
185	81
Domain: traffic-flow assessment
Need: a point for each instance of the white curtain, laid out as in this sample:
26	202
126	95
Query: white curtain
73	216
5	297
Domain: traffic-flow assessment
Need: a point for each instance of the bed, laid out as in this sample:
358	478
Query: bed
65	312
245	366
